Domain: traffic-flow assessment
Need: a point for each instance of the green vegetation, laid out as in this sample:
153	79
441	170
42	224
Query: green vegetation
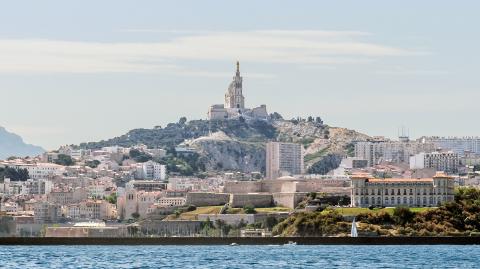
326	223
273	209
65	160
316	155
249	209
139	156
112	198
354	211
13	174
460	217
92	164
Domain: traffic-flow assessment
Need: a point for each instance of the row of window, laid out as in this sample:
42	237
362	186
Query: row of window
399	201
399	191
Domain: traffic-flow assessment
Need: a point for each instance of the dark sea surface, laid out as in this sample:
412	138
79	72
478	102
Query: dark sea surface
445	256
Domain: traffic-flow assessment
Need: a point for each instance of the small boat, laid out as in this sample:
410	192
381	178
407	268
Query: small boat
290	243
233	244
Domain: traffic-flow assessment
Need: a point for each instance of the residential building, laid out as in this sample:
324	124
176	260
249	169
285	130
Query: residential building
439	161
154	171
283	159
65	197
392	192
459	145
391	151
171	201
91	209
46	212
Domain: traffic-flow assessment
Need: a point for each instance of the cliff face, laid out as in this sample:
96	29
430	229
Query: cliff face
232	155
13	145
239	145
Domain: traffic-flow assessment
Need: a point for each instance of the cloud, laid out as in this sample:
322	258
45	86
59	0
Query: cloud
274	46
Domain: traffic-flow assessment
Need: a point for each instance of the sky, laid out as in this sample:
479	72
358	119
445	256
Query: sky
78	71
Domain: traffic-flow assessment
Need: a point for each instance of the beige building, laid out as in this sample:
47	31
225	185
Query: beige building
392	192
91	209
283	159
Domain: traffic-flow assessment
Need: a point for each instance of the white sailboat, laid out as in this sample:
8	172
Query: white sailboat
354	232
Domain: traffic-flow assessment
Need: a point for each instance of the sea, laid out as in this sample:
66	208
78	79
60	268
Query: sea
242	256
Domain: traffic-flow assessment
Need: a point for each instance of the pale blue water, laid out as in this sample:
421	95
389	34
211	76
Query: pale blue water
239	257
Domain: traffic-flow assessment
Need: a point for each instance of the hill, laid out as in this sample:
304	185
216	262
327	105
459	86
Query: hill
239	145
13	145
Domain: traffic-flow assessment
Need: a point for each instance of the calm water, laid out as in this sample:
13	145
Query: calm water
239	256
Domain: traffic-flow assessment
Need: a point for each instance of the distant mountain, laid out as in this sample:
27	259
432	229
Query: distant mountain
13	145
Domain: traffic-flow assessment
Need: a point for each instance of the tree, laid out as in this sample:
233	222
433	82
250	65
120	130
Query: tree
182	120
135	215
249	209
112	198
139	156
92	164
14	174
402	215
64	160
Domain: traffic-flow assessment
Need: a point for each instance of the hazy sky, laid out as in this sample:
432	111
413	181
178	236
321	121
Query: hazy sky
88	70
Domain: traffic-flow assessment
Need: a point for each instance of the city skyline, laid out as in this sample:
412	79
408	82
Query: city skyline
69	83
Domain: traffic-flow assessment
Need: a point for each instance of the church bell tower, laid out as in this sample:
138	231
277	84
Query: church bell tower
234	96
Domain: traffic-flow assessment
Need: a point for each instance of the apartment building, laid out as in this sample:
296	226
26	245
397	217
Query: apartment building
283	159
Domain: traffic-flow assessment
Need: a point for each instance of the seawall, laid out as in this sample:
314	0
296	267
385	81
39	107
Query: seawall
242	241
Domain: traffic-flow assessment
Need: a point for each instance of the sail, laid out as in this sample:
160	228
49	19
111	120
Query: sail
354	232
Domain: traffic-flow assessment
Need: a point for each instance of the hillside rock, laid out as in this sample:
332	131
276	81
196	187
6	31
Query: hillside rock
239	145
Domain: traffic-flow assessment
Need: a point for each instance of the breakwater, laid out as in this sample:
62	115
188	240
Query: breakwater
241	241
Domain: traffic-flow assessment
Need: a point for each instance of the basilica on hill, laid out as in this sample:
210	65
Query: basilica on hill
234	104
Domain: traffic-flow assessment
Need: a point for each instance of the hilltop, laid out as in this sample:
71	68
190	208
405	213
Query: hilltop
13	145
239	144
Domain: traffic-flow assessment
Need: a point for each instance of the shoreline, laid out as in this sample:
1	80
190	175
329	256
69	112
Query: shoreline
242	241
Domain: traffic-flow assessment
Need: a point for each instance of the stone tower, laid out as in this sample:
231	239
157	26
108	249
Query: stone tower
234	96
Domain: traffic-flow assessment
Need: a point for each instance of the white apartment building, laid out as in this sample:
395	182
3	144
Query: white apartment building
459	145
440	161
38	186
153	170
283	159
392	192
38	170
392	151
